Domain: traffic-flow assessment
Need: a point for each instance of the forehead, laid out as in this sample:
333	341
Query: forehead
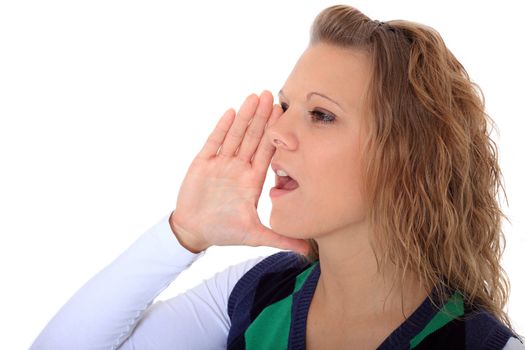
341	73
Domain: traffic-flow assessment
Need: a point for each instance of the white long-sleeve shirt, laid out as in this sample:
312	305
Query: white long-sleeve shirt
115	308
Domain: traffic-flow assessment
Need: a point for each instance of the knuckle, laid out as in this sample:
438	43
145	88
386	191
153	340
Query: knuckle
252	132
236	133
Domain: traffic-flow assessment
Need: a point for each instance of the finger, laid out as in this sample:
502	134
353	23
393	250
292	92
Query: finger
253	135
266	149
236	133
216	138
275	115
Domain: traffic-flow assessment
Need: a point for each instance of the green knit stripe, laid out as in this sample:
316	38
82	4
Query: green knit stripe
271	327
455	308
301	278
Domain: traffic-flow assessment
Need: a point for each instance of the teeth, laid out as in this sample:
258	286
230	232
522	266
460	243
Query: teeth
281	173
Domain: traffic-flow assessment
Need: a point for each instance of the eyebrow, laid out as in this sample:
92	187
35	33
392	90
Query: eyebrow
309	95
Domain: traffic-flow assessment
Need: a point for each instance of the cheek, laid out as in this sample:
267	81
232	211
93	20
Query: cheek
337	193
341	195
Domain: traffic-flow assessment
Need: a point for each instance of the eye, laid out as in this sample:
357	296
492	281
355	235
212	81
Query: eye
317	116
323	117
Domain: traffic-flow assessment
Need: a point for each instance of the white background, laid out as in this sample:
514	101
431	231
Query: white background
103	105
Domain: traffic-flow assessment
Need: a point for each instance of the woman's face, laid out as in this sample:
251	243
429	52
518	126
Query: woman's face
321	149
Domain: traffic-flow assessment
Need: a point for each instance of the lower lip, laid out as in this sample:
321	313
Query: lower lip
277	192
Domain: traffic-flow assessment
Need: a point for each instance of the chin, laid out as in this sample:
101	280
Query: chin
290	229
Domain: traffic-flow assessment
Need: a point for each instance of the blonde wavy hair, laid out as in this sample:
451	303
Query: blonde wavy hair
432	177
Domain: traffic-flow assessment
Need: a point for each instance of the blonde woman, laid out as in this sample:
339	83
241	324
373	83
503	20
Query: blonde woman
385	204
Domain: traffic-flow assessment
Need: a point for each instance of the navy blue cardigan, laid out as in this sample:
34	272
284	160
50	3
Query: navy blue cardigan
268	308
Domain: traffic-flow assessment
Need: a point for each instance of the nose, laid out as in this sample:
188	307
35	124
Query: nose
281	132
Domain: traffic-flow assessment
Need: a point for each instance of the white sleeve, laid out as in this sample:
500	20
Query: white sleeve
114	306
196	319
513	344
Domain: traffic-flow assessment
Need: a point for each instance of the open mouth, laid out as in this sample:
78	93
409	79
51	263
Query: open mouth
285	183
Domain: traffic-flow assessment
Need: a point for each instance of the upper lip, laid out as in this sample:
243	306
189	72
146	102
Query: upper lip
277	166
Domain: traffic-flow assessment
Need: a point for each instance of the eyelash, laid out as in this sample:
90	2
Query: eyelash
314	114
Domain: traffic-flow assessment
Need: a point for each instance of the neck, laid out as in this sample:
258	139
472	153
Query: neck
350	285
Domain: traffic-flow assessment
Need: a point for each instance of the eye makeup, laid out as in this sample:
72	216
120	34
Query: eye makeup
317	116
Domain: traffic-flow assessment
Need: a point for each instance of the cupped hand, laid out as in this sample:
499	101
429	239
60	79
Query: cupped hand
217	201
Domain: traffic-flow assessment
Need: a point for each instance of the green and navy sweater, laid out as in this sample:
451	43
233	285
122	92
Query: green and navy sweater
268	309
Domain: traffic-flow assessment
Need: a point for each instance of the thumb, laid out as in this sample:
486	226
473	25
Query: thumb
268	237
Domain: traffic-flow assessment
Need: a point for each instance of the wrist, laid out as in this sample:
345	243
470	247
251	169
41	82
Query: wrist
183	238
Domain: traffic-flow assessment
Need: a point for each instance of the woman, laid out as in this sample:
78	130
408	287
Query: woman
385	192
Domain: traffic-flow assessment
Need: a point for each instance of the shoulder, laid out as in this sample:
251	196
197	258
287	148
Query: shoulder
485	331
269	281
460	325
276	267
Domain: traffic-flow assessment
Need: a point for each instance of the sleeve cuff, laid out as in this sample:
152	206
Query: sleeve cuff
169	243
